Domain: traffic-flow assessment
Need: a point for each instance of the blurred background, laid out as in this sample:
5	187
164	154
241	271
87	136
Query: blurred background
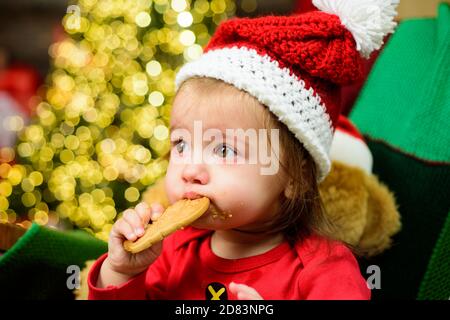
28	27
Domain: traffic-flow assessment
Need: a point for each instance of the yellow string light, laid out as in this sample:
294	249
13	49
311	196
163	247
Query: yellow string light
101	134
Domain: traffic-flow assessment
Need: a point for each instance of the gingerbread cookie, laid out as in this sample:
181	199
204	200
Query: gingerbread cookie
181	214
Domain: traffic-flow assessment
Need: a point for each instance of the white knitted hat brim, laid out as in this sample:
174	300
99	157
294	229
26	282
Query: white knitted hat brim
300	109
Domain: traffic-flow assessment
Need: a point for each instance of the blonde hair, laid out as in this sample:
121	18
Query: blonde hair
302	211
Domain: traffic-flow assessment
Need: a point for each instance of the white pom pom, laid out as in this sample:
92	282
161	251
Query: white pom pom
369	21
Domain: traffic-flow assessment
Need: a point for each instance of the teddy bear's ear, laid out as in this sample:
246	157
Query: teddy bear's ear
345	199
383	218
361	209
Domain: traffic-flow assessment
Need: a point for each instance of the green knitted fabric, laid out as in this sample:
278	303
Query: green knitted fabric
404	113
36	266
413	71
435	282
421	192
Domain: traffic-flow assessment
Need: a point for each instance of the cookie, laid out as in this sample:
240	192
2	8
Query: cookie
181	214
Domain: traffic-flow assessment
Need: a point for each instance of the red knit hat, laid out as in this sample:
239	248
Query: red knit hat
295	65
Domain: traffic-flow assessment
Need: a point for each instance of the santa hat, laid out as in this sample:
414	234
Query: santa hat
295	65
349	147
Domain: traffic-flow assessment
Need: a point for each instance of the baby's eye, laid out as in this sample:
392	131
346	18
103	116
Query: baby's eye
180	145
224	151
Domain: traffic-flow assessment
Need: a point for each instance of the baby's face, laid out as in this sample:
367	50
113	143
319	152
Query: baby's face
219	167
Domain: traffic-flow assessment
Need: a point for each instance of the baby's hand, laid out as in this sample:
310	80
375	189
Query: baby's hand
131	227
243	292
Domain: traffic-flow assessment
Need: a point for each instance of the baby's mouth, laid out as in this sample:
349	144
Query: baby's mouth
191	195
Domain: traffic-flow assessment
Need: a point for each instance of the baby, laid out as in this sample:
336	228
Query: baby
251	126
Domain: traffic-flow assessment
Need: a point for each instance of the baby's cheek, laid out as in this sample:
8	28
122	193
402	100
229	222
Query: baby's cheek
170	186
239	185
241	197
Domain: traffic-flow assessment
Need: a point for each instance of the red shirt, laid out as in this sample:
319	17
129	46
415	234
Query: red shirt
188	269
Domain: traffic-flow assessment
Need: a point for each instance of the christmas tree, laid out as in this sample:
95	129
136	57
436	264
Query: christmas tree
100	135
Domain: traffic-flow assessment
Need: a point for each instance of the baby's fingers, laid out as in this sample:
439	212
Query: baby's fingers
144	212
134	220
148	213
157	209
244	292
123	229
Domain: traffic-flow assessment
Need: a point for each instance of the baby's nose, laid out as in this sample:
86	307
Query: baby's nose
196	174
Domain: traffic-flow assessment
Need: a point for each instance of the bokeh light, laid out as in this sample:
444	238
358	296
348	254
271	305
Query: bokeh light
185	19
143	19
100	135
